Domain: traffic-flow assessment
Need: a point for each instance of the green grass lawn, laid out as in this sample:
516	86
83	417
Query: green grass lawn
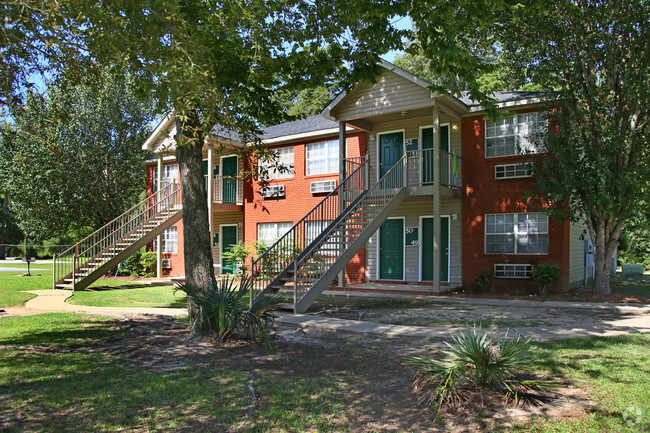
615	372
132	296
101	390
631	285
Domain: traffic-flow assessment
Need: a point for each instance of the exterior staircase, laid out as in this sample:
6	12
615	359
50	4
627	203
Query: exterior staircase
89	259
303	262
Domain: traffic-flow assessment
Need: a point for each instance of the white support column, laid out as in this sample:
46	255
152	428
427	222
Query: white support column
210	190
436	198
342	175
210	183
159	268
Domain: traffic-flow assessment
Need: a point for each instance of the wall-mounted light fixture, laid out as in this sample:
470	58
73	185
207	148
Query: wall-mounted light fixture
454	126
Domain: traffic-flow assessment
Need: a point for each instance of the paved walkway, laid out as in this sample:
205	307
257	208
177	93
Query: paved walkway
55	300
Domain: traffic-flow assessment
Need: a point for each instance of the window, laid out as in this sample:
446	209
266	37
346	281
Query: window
516	233
513	135
315	228
169	241
505	270
281	167
511	171
170	171
271	232
323	157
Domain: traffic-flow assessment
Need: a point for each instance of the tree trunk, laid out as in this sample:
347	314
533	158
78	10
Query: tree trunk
607	234
199	266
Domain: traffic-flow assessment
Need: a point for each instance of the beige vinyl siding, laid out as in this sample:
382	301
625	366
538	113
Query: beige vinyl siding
576	253
219	218
391	93
411	127
412	208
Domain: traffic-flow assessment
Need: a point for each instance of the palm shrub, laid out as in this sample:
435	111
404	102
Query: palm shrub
224	311
476	360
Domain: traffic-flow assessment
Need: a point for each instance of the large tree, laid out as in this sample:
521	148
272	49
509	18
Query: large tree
595	164
71	158
211	63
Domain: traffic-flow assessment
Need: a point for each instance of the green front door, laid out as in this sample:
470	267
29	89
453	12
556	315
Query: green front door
229	185
427	249
391	250
391	148
228	239
427	157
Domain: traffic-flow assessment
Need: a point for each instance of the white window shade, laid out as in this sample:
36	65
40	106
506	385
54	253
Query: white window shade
523	233
281	167
169	241
514	135
170	173
270	232
322	157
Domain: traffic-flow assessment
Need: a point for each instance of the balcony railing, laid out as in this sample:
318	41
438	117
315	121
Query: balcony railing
420	168
226	189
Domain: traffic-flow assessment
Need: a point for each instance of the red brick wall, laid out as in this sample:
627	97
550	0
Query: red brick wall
483	194
177	260
298	199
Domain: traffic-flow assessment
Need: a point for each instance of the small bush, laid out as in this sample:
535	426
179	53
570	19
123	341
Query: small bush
132	263
148	263
543	275
477	360
222	310
482	283
237	255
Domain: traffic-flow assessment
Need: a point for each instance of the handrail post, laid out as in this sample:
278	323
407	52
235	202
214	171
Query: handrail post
252	285
54	271
74	271
295	286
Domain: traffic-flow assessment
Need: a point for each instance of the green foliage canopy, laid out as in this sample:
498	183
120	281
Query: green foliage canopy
72	159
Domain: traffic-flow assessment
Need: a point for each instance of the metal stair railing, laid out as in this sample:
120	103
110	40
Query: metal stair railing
226	189
421	170
78	261
314	263
275	260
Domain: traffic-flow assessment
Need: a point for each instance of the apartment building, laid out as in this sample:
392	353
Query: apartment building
425	191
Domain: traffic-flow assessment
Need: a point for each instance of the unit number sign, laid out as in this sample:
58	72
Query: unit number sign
412	236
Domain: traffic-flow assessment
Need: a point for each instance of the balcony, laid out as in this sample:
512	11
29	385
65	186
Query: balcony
420	171
227	192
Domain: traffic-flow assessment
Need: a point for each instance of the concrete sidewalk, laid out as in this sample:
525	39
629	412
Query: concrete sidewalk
540	333
55	300
541	303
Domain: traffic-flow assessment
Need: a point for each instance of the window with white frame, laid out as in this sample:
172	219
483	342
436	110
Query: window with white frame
512	171
516	233
170	171
315	228
169	241
512	270
322	157
280	167
513	135
271	232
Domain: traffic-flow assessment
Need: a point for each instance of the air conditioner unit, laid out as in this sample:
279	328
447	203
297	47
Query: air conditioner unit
273	191
166	263
322	186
